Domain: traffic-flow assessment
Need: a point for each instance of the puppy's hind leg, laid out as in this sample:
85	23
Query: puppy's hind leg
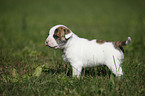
115	66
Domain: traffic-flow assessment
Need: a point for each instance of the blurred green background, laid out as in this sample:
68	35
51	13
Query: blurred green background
24	26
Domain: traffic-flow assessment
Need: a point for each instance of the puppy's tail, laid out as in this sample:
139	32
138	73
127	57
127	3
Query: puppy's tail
122	43
128	41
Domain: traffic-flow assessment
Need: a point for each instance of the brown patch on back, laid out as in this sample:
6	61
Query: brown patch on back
101	41
117	44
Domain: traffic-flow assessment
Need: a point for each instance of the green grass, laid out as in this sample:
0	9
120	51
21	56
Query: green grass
29	68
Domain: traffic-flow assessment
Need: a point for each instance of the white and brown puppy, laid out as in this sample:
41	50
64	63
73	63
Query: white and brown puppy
81	52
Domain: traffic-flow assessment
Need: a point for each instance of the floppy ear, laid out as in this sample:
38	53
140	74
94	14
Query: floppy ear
68	35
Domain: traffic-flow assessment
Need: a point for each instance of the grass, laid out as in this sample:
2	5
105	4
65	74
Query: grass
28	68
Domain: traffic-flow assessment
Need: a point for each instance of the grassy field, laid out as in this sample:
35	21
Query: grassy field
29	68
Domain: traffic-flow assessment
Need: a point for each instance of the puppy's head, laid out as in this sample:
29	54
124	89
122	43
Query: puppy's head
58	36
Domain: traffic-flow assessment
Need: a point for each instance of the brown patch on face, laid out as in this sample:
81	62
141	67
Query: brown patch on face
60	32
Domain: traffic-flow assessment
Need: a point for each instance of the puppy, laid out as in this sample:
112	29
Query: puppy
80	52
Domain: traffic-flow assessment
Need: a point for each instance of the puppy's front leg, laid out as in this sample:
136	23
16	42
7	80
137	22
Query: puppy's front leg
77	71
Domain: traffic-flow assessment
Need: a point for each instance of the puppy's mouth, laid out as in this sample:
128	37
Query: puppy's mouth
55	47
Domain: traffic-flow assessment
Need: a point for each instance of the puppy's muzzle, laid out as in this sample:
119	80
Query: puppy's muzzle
47	44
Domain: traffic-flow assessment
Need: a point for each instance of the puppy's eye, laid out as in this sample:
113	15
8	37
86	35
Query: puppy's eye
56	30
55	36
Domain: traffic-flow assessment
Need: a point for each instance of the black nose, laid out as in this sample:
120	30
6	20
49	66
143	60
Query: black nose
46	43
